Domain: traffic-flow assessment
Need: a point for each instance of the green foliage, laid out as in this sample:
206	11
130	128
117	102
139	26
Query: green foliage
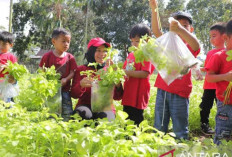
36	88
109	75
115	19
16	70
25	133
213	11
42	17
229	55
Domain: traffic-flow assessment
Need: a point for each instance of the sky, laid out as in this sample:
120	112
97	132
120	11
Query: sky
5	11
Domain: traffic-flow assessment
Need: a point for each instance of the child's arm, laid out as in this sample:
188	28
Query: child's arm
187	36
137	74
68	78
212	77
155	25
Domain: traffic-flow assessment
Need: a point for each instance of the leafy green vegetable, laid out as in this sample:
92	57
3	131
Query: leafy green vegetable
229	55
16	70
36	89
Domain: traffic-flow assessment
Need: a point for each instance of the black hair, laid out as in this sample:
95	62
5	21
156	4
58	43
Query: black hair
229	28
90	57
6	37
60	31
183	17
220	26
139	30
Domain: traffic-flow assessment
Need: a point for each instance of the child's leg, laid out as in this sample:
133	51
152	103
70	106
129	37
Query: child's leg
106	114
179	111
134	114
84	111
67	109
162	115
223	122
206	104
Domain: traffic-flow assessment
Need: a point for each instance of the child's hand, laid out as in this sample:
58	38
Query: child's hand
63	81
228	76
11	79
86	82
2	67
175	26
153	5
109	62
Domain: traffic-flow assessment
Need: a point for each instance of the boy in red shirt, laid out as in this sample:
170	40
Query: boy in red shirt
65	64
136	86
172	101
217	32
6	43
219	71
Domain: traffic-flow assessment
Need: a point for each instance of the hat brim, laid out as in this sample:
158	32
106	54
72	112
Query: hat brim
182	16
99	43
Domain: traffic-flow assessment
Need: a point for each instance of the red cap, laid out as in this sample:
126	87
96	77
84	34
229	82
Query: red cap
97	42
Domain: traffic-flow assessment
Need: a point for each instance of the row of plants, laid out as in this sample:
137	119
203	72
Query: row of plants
40	133
32	128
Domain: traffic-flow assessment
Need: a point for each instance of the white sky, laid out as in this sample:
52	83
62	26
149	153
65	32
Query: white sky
4	13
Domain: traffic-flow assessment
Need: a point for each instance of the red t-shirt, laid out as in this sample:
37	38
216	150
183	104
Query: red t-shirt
82	94
219	65
63	65
4	57
181	86
208	85
137	90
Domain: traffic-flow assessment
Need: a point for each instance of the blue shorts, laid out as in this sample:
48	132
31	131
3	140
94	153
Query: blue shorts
223	122
169	105
67	109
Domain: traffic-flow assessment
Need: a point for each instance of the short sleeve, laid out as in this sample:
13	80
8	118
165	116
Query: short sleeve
148	67
214	63
73	64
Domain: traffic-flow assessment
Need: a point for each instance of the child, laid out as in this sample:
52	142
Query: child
219	71
6	43
217	32
136	86
82	85
172	101
65	64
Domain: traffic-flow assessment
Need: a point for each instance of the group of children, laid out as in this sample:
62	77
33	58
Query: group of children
172	101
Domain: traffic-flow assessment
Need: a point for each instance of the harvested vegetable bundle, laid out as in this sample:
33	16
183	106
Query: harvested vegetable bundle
168	53
104	81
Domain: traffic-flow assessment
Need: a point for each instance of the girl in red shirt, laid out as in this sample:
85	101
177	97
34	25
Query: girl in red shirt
136	86
82	85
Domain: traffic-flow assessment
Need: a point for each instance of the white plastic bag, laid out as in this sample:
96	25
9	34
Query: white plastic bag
8	90
101	97
170	56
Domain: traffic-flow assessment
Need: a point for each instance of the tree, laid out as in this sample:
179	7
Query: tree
115	18
43	16
21	16
166	11
205	13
